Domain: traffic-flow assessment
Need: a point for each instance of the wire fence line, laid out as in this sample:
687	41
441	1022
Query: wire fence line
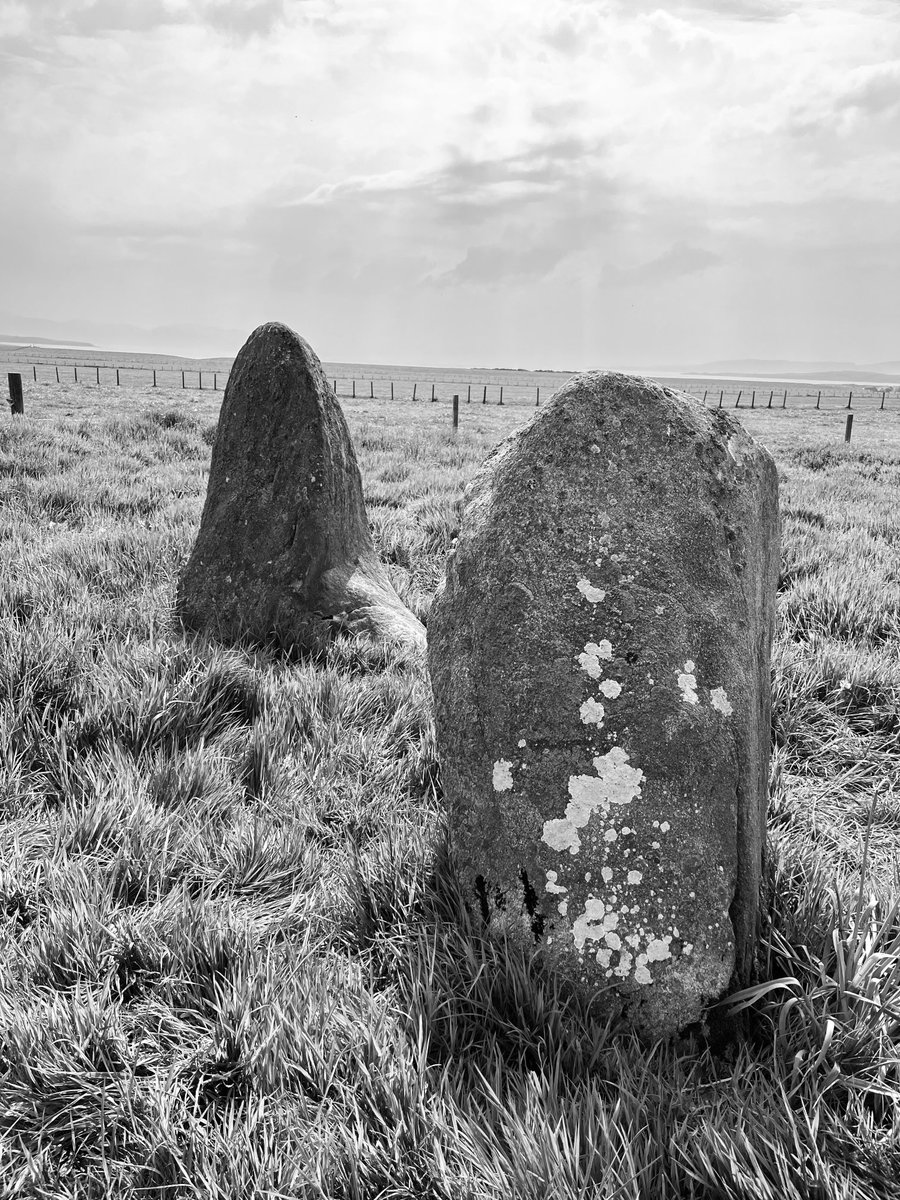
713	393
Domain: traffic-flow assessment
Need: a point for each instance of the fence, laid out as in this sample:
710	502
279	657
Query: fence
733	395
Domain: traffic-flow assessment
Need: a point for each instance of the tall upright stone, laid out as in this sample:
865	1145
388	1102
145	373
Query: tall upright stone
599	655
284	544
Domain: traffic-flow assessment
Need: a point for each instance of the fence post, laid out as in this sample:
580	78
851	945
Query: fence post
469	394
501	393
484	397
737	403
850	400
57	380
334	386
848	427
16	402
704	397
392	389
354	389
182	378
415	385
537	399
76	374
456	412
371	389
154	376
882	400
215	381
819	397
117	376
432	391
34	370
771	394
753	399
98	376
721	394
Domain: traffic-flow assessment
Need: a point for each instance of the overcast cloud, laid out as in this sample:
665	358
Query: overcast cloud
578	183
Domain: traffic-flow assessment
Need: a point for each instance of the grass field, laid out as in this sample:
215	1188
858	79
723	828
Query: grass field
234	960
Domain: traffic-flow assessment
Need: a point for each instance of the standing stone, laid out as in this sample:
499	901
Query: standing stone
284	544
599	656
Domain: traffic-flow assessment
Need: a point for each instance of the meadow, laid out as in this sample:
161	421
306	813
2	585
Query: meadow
234	961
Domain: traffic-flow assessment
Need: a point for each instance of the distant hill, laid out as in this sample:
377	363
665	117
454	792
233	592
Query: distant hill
17	339
784	368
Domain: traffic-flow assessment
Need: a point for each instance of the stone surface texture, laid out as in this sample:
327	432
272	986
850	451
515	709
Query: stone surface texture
599	656
284	544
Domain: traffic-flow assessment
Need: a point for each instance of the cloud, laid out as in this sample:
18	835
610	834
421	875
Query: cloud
679	261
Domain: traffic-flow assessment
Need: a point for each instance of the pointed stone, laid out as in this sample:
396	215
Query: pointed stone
599	656
284	544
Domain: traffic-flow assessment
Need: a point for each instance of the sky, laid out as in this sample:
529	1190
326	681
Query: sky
566	184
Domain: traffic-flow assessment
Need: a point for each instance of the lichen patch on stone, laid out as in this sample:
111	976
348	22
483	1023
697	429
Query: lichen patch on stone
587	589
503	780
592	712
720	701
615	783
610	688
552	886
589	659
687	681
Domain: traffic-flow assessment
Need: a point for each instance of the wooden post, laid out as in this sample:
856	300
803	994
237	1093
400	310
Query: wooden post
392	389
57	380
76	374
501	393
456	412
200	380
737	403
537	398
354	389
848	427
882	400
371	389
850	400
98	376
182	378
753	399
334	386
484	397
16	402
215	381
818	398
784	401
415	385
117	376
154	376
721	394
432	391
704	398
771	394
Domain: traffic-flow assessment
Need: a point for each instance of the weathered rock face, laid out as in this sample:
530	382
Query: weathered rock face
599	656
284	543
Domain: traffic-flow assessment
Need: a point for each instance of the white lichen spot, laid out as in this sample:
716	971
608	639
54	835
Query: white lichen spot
606	873
592	712
642	975
687	681
589	660
590	923
615	783
603	956
613	940
658	949
665	827
502	775
720	701
660	609
688	948
587	877
610	835
634	877
551	885
610	688
655	845
625	961
591	593
690	665
522	743
563	907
